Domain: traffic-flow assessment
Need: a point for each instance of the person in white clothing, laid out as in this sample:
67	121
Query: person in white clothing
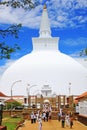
32	117
40	123
67	120
44	116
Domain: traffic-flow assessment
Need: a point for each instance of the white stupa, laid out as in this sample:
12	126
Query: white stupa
45	65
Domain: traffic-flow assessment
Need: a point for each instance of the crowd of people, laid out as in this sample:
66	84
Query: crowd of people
65	118
38	117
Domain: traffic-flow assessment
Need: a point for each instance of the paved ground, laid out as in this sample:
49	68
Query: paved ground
52	125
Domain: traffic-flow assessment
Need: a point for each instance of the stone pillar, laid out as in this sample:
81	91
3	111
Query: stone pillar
36	101
59	101
25	100
41	102
29	101
64	101
70	102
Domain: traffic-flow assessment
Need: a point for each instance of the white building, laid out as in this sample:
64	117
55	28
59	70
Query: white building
82	108
45	64
82	104
46	91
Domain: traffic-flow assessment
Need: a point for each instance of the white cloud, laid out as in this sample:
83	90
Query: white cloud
27	18
72	42
81	3
61	14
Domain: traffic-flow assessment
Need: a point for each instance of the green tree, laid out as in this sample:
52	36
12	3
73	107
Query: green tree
26	4
11	105
6	50
83	52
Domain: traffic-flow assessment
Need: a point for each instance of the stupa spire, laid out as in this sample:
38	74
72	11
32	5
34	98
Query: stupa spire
45	41
45	30
45	7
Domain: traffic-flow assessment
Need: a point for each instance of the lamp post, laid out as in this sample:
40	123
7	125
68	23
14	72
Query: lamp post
70	97
69	89
13	85
11	92
28	92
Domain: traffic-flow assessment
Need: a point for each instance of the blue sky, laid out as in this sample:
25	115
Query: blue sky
68	20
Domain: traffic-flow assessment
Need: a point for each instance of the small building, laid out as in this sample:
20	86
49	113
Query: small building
3	97
46	91
82	108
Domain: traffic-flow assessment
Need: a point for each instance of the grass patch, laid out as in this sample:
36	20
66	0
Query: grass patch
11	123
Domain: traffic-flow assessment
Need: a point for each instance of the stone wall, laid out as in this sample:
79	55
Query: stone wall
82	119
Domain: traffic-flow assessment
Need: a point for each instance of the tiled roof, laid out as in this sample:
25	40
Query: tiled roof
17	96
75	101
82	95
2	95
10	100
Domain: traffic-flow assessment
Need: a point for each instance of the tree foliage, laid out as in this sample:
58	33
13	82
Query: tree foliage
11	105
7	50
12	30
83	52
26	4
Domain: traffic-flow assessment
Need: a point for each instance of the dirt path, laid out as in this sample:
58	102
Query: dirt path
52	125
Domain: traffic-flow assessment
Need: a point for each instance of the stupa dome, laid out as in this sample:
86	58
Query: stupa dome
45	65
42	67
